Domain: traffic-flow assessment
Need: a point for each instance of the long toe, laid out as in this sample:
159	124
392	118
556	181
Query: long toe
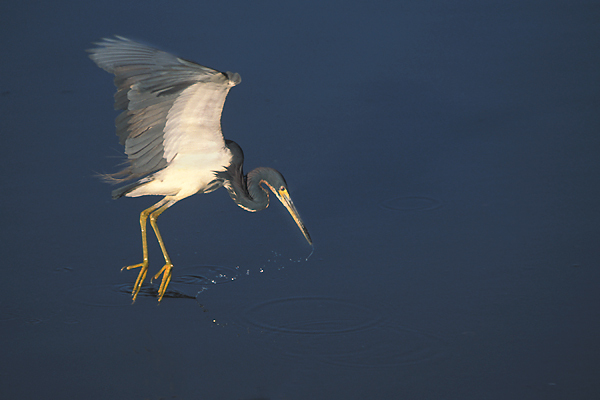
140	278
166	273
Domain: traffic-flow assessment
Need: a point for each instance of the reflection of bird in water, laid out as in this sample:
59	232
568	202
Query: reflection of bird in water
171	129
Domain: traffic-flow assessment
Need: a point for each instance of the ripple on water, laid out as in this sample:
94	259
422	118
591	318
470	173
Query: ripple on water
411	203
311	315
336	331
186	283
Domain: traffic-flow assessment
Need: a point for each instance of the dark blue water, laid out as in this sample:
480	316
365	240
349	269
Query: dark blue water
444	157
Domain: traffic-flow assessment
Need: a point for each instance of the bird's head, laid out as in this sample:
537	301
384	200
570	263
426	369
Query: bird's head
276	183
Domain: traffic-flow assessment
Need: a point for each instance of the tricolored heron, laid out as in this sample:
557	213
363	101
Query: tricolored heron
171	129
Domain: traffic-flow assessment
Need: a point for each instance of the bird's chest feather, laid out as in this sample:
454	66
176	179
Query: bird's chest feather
194	172
186	175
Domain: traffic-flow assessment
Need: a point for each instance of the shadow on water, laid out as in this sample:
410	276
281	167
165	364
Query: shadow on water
185	285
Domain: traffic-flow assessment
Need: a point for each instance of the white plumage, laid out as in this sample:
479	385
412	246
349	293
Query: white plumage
170	125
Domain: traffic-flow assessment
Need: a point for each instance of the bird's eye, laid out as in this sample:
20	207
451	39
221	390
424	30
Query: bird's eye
281	189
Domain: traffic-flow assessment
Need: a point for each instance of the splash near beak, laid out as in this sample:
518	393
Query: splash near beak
284	196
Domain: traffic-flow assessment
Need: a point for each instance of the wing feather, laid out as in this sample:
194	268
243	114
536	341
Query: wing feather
170	105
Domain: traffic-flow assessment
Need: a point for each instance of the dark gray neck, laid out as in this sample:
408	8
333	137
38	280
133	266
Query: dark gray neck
249	195
245	191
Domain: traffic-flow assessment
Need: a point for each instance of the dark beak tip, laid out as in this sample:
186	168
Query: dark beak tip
308	238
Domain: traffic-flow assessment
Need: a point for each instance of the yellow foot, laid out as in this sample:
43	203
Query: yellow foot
166	271
140	278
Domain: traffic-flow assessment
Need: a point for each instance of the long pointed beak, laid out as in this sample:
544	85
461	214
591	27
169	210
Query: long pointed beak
284	196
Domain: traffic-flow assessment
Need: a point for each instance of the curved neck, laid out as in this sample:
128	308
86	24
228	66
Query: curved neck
246	191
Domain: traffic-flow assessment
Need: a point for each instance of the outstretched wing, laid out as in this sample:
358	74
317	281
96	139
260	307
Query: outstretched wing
169	105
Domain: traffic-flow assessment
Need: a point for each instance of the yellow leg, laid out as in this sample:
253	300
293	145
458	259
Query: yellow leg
166	269
144	264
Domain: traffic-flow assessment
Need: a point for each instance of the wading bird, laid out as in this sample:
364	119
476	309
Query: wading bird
171	129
